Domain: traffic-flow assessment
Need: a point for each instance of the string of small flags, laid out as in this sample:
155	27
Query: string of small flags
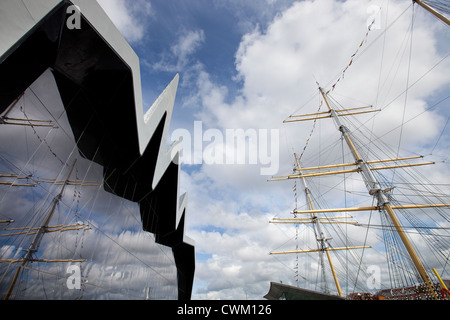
296	233
352	56
42	140
310	134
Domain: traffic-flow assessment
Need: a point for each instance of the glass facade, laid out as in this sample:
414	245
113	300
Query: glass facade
93	246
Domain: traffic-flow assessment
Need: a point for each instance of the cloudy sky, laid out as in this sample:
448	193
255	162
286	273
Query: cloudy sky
249	65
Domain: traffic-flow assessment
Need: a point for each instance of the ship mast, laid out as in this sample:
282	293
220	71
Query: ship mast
322	238
38	237
374	188
376	191
372	184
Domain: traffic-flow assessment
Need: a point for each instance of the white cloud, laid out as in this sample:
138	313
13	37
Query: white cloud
129	17
180	57
187	44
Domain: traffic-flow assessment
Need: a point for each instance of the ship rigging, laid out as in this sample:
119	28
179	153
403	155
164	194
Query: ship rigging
402	217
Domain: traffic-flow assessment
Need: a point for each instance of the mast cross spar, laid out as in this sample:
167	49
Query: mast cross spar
373	186
38	237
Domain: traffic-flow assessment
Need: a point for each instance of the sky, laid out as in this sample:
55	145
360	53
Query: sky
249	65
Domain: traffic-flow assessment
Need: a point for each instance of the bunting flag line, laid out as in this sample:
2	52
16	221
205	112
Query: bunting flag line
310	134
352	56
42	140
296	232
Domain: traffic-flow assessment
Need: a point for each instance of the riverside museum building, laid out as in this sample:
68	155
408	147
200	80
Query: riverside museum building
89	200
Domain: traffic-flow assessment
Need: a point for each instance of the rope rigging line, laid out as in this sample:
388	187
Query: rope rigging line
39	138
369	28
355	57
296	233
310	134
440	135
334	85
406	90
439	5
402	272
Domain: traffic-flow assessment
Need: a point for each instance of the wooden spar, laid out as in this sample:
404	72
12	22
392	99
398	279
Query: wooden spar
322	238
8	183
353	164
329	115
351	109
307	119
317	250
412	206
49	227
320	218
84	184
18	119
18	184
309	114
337	210
373	184
325	112
432	11
11	176
27	122
396	159
311	221
328	166
42	260
48	230
403	166
315	174
353	113
12	106
37	239
43	180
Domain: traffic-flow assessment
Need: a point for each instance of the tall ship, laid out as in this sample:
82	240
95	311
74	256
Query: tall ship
89	199
387	235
